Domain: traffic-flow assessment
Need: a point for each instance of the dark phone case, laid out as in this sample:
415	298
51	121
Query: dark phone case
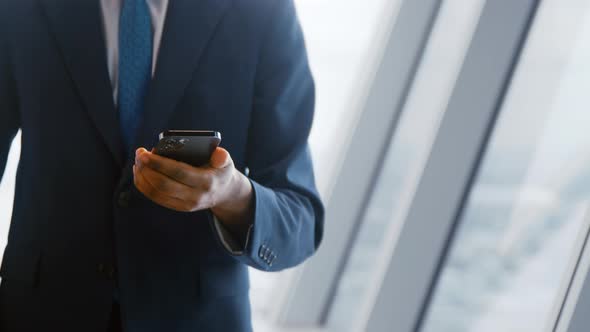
194	148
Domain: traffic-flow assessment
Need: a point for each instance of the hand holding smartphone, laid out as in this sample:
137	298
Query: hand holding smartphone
193	147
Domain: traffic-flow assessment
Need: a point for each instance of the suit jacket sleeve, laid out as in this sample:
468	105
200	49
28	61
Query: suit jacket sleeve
9	118
288	214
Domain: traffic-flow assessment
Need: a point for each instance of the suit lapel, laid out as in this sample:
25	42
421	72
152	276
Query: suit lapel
77	27
189	26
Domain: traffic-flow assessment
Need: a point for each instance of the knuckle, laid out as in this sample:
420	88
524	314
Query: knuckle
142	187
160	185
155	165
178	173
149	191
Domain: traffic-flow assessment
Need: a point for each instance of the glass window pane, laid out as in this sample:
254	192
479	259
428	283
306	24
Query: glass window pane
343	58
406	156
524	213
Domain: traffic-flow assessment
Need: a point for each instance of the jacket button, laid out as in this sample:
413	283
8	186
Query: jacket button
110	273
107	271
124	199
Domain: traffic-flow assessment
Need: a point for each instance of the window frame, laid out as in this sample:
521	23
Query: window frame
570	313
410	272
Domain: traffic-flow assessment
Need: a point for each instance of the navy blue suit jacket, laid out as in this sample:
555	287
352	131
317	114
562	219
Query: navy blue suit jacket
79	225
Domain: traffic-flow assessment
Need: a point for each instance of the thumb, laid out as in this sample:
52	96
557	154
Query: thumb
220	158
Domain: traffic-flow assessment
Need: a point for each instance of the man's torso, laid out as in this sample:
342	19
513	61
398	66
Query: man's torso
79	198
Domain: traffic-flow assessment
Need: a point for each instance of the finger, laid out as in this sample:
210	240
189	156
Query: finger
220	159
167	185
179	171
139	151
157	197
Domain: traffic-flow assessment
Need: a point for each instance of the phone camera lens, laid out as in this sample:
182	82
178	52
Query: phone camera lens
173	144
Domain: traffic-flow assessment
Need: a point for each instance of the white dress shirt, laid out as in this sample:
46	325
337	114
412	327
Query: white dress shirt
111	11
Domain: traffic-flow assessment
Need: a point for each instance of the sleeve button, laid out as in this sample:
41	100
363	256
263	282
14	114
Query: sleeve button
262	252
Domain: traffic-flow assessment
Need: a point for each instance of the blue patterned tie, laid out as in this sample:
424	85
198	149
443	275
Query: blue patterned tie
135	66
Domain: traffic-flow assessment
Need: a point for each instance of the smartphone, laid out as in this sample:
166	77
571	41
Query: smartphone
193	147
